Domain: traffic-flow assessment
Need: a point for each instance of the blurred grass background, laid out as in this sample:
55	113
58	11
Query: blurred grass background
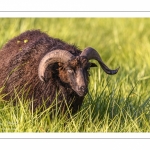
117	103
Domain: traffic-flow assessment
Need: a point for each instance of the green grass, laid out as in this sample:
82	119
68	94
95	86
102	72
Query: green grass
119	103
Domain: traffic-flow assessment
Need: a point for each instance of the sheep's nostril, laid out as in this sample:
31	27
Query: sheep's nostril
83	88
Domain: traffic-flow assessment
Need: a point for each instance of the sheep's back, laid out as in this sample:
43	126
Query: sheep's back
21	59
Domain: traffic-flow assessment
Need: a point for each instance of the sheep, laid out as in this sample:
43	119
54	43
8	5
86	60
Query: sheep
46	67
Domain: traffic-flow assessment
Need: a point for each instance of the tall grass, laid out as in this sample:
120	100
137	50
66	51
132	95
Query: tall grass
119	103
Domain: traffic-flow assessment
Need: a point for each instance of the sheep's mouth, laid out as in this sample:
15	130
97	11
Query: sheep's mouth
81	93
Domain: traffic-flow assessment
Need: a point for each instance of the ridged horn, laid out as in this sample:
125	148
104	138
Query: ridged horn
91	53
52	57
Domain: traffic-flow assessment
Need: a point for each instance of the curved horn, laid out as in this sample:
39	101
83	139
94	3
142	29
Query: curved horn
91	53
52	57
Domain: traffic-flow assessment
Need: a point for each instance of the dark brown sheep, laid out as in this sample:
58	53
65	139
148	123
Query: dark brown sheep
46	67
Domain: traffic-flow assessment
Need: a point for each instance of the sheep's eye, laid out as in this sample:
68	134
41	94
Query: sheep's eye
88	71
70	70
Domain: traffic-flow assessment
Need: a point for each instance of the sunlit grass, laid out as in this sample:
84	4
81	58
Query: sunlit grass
119	103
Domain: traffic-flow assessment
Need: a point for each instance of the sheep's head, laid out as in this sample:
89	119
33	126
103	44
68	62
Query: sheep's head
75	73
73	70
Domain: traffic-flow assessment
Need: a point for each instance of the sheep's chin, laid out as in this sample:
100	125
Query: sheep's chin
81	94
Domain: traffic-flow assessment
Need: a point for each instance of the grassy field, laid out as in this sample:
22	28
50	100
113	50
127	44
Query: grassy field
119	103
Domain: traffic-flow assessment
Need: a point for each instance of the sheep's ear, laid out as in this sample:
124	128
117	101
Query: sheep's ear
93	65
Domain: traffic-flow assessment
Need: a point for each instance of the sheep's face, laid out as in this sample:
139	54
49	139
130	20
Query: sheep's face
75	73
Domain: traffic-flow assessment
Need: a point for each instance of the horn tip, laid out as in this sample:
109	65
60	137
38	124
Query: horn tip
42	79
115	71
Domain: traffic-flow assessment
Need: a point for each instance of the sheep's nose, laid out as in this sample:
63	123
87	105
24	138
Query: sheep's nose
83	89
